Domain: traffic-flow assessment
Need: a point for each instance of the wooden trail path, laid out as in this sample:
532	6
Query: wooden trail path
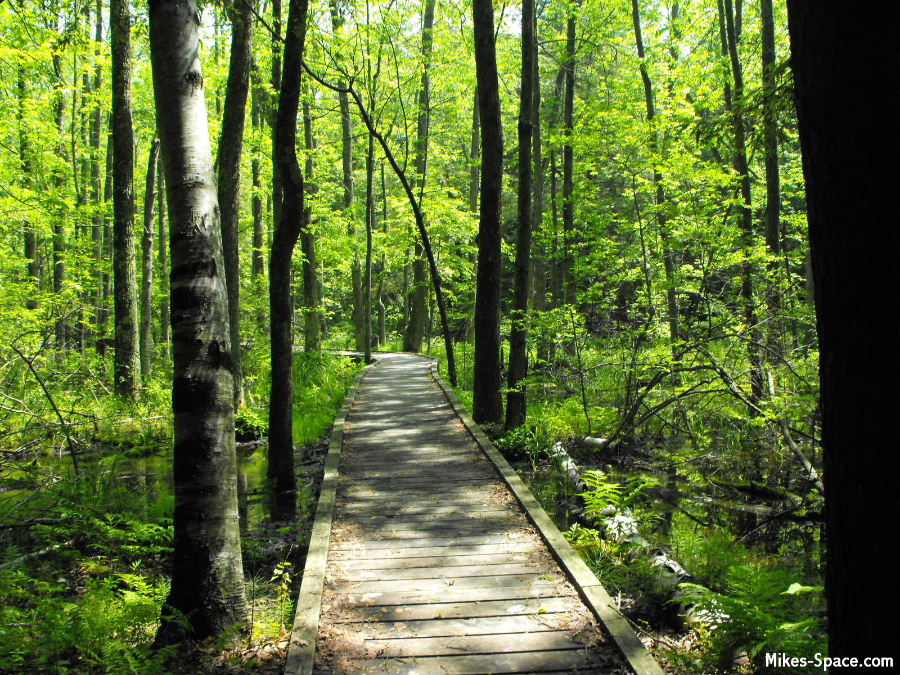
430	557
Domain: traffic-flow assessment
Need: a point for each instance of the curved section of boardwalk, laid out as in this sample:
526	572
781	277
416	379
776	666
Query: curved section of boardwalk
432	566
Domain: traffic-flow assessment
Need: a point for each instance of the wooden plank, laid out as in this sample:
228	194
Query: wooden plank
485	625
436	585
399	552
522	662
453	610
448	561
425	542
422	511
456	594
442	572
471	644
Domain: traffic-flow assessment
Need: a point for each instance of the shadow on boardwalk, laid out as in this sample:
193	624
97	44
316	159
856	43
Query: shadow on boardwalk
432	566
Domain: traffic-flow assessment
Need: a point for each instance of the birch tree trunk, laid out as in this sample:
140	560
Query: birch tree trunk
207	578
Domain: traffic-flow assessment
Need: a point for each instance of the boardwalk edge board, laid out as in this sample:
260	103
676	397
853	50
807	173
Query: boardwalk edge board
589	588
302	646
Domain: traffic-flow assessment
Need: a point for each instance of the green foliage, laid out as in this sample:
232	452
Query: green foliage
761	610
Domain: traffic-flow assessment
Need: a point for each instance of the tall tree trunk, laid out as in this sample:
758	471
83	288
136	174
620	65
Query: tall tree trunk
487	403
282	479
126	374
96	197
773	179
147	261
30	252
568	201
847	106
370	224
730	39
418	299
674	317
257	264
60	214
518	335
337	21
164	322
380	269
312	327
207	575
229	178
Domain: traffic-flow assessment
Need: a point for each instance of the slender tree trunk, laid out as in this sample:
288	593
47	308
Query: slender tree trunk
127	373
257	259
147	261
337	21
207	576
730	38
380	269
518	336
96	127
847	106
418	300
60	214
312	327
30	252
773	179
229	178
487	403
669	265
568	201
164	322
282	479
370	224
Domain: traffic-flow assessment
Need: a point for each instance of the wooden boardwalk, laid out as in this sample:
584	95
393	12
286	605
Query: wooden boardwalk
423	560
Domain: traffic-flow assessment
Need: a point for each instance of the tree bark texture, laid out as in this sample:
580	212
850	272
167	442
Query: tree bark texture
518	335
229	178
847	103
487	403
147	262
126	374
282	479
162	216
207	580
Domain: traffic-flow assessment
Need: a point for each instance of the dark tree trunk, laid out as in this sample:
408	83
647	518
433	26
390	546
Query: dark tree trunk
147	261
164	324
127	373
257	264
847	102
659	192
487	403
568	200
30	252
312	326
96	195
741	166
283	481
347	168
207	578
418	299
229	178
60	215
370	224
518	335
773	179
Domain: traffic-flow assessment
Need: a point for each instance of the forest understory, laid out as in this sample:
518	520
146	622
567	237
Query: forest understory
646	240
